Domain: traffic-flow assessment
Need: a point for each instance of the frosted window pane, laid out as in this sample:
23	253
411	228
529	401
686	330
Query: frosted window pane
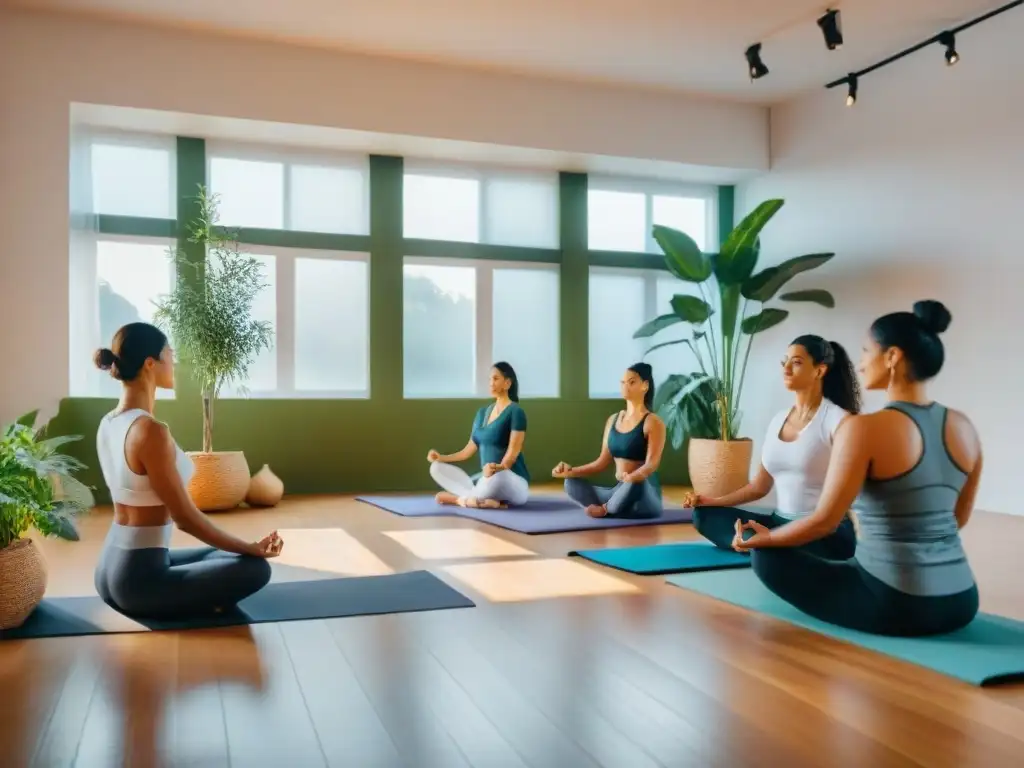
331	325
130	277
438	208
616	221
439	313
251	192
328	200
526	327
677	358
263	370
133	181
687	214
522	212
617	310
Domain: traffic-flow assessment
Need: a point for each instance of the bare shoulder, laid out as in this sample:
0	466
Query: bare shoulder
654	421
960	429
151	434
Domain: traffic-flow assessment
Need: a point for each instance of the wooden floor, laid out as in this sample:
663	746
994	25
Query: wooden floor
561	664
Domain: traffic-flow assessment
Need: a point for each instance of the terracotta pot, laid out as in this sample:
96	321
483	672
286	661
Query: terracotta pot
265	489
718	467
221	480
22	582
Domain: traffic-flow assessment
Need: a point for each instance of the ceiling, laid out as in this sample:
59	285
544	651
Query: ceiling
684	45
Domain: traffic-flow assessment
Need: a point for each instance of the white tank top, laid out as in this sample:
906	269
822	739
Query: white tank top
127	487
798	468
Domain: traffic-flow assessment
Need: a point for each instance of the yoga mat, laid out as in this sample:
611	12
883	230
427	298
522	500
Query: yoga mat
666	558
990	650
541	514
283	601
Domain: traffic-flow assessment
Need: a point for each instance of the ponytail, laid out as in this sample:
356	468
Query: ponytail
509	373
646	374
840	382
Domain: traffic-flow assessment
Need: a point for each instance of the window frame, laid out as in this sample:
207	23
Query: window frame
91	136
484	319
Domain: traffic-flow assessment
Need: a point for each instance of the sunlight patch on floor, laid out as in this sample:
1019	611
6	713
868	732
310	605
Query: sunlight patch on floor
456	544
330	550
520	580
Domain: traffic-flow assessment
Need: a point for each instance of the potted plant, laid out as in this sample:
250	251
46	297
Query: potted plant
37	490
704	405
209	319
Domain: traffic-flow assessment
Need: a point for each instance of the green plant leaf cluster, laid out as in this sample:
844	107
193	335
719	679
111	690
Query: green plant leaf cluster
37	484
723	319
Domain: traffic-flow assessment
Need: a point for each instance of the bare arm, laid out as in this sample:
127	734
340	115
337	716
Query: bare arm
603	460
965	502
654	427
158	454
515	446
755	490
463	455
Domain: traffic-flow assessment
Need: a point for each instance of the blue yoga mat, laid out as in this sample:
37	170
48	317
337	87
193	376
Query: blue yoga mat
666	558
990	650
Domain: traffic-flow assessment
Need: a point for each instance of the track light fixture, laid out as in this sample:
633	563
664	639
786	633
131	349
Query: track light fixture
948	39
831	29
755	66
851	94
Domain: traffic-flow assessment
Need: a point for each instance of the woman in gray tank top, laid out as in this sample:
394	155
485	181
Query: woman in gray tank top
910	472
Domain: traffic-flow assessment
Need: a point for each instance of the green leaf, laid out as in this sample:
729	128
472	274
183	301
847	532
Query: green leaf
813	295
765	284
667	392
682	256
763	320
652	327
667	344
741	248
691	308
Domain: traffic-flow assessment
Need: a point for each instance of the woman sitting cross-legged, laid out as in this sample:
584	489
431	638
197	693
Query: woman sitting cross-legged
634	439
148	474
796	450
910	473
499	431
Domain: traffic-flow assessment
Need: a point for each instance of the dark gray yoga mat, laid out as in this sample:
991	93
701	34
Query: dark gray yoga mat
283	601
541	514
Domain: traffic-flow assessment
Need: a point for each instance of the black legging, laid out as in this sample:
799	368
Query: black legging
718	525
158	583
637	501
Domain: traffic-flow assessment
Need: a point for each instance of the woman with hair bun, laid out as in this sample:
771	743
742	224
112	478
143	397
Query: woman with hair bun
634	439
910	473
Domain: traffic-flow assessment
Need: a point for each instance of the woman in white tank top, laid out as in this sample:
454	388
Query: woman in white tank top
796	450
148	474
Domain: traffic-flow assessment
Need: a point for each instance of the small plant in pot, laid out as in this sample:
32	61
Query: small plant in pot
724	314
37	490
208	315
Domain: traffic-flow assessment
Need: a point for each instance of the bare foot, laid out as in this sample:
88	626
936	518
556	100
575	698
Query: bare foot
492	504
466	501
596	510
446	498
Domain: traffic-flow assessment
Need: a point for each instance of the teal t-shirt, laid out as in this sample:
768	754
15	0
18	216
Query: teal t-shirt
493	439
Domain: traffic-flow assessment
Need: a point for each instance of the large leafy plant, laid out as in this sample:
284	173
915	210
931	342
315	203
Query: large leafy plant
723	320
37	486
209	317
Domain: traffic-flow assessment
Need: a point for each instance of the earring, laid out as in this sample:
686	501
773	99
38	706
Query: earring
892	375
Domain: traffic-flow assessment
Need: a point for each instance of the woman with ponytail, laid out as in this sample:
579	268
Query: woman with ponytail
634	439
499	431
796	450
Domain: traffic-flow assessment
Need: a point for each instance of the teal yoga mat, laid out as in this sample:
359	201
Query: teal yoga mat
990	650
666	558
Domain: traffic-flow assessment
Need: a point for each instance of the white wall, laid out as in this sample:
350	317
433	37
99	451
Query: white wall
917	188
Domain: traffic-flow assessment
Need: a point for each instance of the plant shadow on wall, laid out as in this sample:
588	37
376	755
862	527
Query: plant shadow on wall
208	315
724	319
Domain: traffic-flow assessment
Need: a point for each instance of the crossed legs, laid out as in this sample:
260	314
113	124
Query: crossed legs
628	500
502	489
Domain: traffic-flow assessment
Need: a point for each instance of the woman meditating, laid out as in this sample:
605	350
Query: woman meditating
634	439
910	473
499	431
147	474
796	450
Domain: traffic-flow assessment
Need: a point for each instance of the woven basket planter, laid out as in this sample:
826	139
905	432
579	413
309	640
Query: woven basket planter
22	582
718	467
265	489
221	480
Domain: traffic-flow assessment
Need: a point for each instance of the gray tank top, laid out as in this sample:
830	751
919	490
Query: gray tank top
907	530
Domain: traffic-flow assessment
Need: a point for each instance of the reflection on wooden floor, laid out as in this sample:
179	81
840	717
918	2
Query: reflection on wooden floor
562	664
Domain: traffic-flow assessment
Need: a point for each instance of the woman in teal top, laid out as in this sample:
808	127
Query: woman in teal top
634	439
499	431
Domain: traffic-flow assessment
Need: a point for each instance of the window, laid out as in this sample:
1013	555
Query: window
131	176
264	189
114	281
318	304
493	207
621	300
462	316
621	215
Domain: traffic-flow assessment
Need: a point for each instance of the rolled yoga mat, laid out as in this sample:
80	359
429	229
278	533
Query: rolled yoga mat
988	651
666	558
283	601
541	514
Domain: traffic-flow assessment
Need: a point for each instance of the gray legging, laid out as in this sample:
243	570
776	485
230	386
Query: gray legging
630	500
160	583
718	525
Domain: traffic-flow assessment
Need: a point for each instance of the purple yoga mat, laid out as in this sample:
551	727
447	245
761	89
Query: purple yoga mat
541	514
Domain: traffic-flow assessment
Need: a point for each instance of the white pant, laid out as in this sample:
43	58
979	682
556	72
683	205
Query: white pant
504	486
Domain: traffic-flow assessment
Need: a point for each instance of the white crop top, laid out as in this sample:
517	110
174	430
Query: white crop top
798	468
127	487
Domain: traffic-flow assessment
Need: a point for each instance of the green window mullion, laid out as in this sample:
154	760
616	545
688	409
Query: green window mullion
136	226
191	155
386	256
573	287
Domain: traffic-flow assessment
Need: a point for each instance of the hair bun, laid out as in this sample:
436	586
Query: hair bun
104	359
934	316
